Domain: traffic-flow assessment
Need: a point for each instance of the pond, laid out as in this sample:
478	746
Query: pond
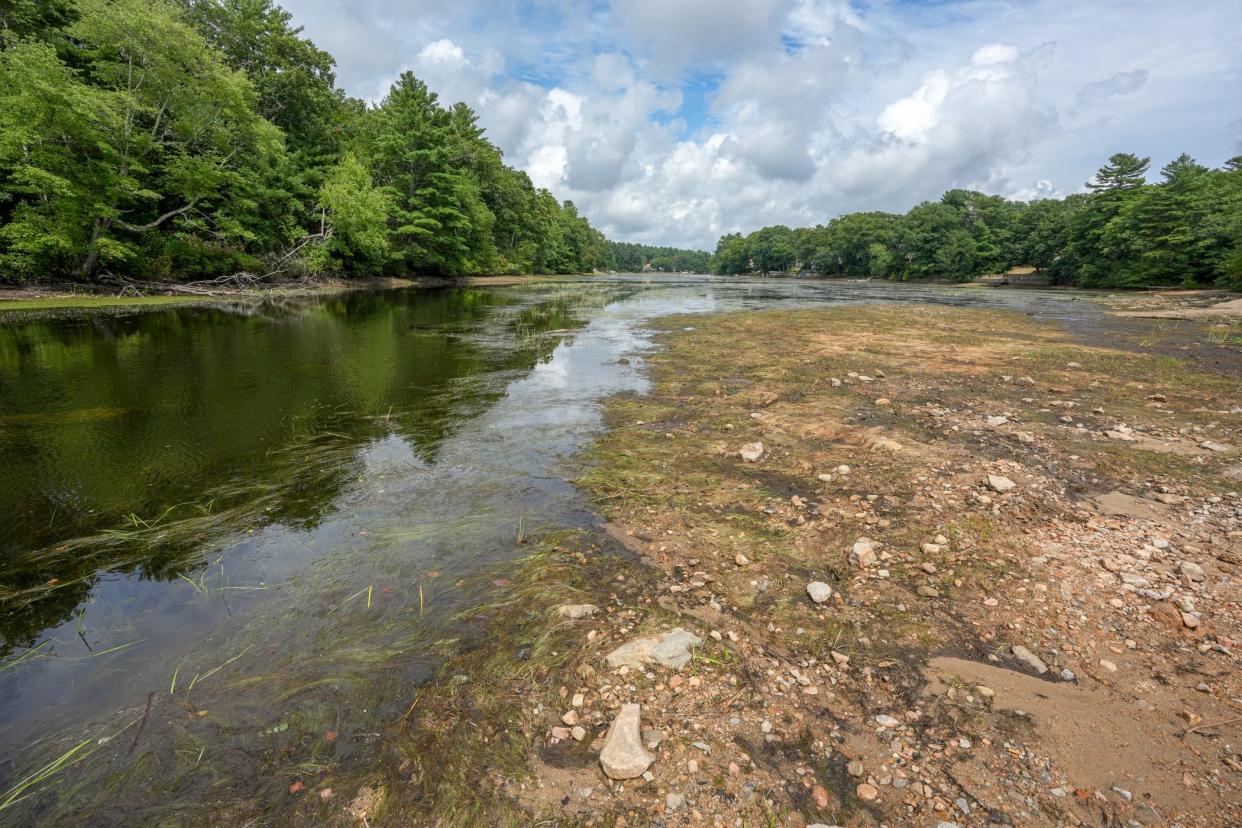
229	527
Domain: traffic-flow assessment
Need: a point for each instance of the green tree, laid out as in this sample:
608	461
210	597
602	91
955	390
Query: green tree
354	231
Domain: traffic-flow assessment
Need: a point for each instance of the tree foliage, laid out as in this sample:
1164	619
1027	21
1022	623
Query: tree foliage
1185	229
189	138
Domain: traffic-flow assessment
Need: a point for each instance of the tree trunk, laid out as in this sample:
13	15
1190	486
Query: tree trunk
92	250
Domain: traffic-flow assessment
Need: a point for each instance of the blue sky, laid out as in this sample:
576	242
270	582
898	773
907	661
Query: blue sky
675	121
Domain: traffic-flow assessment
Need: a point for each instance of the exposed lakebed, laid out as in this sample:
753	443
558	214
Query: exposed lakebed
228	528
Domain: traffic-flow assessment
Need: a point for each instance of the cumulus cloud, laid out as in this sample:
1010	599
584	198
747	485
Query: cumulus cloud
674	121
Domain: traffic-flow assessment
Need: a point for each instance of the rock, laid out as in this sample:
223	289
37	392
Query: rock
819	591
674	801
1025	381
1168	498
1165	613
623	756
1191	621
1068	675
996	422
751	452
927	591
1130	579
559	732
1001	484
928	567
854	768
570	718
1030	659
579	733
843	469
578	700
867	792
820	795
1213	446
1073	365
1108	665
985	691
931	548
652	738
577	612
884	720
863	553
670	649
740	559
1191	570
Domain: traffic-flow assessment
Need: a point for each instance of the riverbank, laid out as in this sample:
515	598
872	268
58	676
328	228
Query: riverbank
943	564
73	296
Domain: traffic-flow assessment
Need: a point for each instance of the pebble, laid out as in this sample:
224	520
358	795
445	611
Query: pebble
1001	484
623	756
576	612
1191	570
1030	659
884	720
819	591
928	567
997	421
740	559
1068	675
674	801
579	733
820	794
1108	665
928	592
867	792
863	554
751	452
854	768
670	649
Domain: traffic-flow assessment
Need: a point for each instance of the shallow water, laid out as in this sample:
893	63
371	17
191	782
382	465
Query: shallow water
227	529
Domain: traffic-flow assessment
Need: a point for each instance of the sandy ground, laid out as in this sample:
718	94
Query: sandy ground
966	483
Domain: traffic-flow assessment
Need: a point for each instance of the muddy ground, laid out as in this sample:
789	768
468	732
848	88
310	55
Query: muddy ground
1033	549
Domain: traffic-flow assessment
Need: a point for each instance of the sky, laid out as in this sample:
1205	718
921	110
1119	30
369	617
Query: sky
676	121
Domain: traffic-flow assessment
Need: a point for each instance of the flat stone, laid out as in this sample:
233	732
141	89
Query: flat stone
994	422
884	720
674	801
819	591
577	611
927	591
751	452
1191	570
1001	484
623	756
1030	659
670	649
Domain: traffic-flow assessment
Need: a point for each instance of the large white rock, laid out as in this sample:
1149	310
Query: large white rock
624	756
670	649
819	591
751	452
1001	484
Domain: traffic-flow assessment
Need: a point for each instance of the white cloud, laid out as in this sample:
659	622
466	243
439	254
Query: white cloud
821	107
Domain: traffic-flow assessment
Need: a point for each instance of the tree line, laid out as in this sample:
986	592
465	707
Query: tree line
167	139
635	258
1184	229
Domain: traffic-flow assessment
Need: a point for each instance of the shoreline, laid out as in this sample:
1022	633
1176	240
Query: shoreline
74	296
989	567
